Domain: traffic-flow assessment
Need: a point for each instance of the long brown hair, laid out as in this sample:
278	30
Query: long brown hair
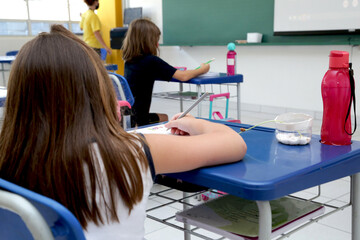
60	102
141	39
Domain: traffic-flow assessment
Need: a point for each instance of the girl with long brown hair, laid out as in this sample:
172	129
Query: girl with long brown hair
61	138
143	67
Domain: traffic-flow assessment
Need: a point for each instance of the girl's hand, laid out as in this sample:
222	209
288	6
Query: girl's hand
108	50
185	126
204	67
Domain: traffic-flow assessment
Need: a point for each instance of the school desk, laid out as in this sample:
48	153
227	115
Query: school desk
5	60
111	67
3	93
271	170
221	79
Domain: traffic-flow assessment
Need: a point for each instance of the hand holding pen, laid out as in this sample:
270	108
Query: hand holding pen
204	67
177	131
208	62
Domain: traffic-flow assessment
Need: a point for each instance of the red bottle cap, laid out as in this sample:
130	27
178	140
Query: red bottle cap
339	59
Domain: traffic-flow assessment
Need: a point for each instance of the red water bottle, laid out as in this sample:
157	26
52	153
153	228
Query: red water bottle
337	94
231	60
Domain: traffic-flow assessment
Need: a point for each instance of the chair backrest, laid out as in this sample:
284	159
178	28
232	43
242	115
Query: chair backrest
25	214
123	94
12	53
122	88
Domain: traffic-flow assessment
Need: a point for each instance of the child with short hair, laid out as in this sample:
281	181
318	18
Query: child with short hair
91	25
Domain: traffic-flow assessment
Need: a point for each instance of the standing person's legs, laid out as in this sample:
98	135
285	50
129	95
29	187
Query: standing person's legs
158	117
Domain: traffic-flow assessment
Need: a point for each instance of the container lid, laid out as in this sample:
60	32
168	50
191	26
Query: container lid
339	59
231	46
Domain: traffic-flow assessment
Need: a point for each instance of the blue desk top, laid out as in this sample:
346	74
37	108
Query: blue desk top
2	101
7	59
3	93
111	67
238	78
271	170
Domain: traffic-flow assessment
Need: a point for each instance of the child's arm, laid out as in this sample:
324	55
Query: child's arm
208	144
101	41
189	74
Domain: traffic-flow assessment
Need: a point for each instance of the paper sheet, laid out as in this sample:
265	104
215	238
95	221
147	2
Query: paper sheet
157	129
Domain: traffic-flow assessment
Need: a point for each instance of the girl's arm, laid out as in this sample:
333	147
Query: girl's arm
189	74
207	144
101	41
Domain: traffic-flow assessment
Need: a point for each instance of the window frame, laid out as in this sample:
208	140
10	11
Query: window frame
29	22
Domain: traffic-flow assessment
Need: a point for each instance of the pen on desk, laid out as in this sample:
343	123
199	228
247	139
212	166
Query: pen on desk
194	105
207	62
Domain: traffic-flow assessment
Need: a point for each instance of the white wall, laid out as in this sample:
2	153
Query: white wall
278	78
152	9
12	43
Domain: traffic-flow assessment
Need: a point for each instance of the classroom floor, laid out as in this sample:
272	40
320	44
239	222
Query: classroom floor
334	227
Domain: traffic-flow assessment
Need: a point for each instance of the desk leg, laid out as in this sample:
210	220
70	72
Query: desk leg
198	86
187	235
264	220
181	97
355	201
238	101
3	73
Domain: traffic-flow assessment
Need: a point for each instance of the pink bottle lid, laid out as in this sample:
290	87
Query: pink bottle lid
339	59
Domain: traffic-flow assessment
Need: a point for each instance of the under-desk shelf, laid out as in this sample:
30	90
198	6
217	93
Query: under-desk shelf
191	200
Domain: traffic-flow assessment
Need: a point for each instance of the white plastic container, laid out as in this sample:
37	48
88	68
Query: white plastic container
254	37
293	128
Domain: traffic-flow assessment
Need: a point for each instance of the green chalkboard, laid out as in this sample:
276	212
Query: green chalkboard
218	22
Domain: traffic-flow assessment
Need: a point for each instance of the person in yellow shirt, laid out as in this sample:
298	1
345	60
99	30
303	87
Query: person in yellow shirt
91	25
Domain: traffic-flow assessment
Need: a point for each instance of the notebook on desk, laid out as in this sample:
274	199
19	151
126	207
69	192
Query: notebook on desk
209	75
3	92
237	218
155	129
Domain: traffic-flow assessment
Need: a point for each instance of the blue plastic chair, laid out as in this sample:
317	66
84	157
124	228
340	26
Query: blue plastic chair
122	88
25	214
12	53
123	95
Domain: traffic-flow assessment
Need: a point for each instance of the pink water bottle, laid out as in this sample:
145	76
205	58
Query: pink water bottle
231	60
337	92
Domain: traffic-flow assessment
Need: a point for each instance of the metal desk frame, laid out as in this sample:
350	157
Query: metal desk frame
5	60
221	79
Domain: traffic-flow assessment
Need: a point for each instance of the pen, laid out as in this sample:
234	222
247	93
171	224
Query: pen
207	62
194	104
